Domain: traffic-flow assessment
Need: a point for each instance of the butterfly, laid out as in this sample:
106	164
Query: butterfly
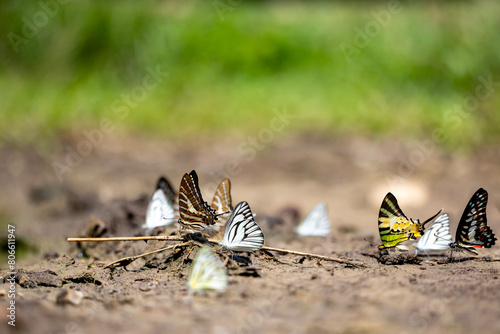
472	231
194	212
208	272
394	227
222	203
242	234
160	210
316	223
437	237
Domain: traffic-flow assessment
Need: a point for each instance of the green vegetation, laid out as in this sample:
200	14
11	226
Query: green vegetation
225	76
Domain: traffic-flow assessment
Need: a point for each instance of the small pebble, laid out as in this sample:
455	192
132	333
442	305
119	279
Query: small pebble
72	297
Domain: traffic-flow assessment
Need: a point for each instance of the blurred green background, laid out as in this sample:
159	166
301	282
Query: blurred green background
230	63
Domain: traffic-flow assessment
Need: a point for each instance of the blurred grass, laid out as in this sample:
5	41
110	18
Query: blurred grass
23	247
226	76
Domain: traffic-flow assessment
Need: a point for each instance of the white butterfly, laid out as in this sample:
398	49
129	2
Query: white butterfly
437	237
161	206
316	223
242	234
207	273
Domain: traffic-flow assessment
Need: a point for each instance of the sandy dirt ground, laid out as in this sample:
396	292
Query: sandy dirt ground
62	288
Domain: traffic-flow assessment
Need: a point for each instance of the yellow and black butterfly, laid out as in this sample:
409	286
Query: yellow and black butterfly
194	212
394	227
472	231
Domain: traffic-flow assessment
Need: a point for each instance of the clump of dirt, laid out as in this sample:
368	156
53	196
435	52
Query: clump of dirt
402	258
34	279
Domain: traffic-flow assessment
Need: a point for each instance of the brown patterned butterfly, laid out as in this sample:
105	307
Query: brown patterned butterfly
194	212
222	202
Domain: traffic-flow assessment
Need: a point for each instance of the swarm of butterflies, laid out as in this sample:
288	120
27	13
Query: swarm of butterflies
472	232
243	234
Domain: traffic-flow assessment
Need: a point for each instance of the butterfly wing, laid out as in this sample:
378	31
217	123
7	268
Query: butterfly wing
437	237
316	222
160	210
164	185
473	229
394	227
242	234
193	210
176	208
207	273
221	202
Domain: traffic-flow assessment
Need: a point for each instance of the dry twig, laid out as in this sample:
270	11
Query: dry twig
157	237
189	236
129	259
316	256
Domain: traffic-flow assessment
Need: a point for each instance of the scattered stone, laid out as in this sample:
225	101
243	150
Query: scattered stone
148	286
72	297
151	264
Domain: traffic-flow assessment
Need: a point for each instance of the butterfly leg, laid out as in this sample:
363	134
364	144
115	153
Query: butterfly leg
179	229
427	254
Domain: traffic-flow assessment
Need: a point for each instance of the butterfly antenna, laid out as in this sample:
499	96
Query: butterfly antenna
432	218
222	214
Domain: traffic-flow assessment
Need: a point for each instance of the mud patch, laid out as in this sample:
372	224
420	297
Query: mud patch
34	279
399	259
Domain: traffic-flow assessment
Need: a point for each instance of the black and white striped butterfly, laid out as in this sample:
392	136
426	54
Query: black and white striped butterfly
207	273
316	223
472	231
160	210
242	234
437	237
194	212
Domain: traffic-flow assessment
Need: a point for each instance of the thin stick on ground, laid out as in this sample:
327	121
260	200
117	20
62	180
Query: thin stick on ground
185	238
129	259
316	256
158	237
